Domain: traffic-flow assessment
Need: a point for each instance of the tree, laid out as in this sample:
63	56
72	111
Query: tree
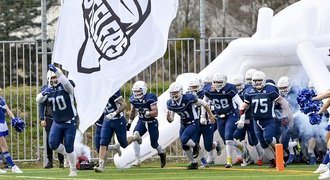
17	17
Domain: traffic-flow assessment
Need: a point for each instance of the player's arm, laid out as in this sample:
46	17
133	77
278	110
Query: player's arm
121	104
153	110
132	114
41	98
9	112
237	100
201	102
286	109
68	87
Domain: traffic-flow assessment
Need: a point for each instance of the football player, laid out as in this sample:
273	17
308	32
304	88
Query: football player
60	95
3	133
261	98
184	106
145	104
247	127
225	99
206	128
113	122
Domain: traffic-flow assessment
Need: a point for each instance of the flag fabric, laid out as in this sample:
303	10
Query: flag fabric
104	43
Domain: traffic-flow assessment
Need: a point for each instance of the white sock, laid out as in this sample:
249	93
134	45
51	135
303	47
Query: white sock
61	149
160	149
189	154
269	153
191	143
72	159
210	156
229	148
101	163
136	148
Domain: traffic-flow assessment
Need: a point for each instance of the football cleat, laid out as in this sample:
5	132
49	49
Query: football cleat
196	151
259	162
272	163
73	172
15	169
192	166
321	169
228	165
246	162
98	168
49	165
291	159
162	159
218	148
203	163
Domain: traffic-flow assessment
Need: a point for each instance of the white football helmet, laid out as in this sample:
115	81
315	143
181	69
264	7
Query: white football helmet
52	78
175	91
139	89
248	75
258	80
208	78
194	85
238	81
219	81
284	85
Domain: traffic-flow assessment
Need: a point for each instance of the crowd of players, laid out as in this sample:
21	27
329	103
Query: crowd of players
245	110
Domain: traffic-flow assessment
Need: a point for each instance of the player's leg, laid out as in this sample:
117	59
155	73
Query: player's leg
253	141
120	130
154	136
139	130
268	134
185	134
105	138
230	128
69	136
207	131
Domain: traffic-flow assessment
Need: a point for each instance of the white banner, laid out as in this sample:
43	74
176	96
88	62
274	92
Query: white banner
104	43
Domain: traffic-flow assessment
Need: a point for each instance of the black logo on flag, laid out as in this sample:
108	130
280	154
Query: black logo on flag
109	26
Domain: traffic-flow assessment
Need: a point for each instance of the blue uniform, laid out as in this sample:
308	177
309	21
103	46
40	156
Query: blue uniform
141	106
225	109
64	118
206	130
97	134
248	126
189	118
262	105
116	125
3	124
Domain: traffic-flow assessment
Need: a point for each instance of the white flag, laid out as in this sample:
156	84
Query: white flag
104	43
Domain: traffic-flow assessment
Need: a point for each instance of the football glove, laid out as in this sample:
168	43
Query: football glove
46	92
240	123
110	116
52	68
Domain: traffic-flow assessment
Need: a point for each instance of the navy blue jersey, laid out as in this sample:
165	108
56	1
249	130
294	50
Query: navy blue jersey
223	100
185	109
62	104
248	112
143	105
112	106
262	102
2	110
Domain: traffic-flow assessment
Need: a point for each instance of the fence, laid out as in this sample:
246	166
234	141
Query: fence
20	66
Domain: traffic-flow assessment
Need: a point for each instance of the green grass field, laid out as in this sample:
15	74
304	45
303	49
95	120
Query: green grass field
172	171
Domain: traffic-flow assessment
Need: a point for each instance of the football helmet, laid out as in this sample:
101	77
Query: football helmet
52	78
258	80
208	78
238	81
284	85
139	89
219	81
248	75
175	91
194	85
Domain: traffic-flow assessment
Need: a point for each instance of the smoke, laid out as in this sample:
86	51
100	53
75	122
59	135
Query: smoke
79	147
